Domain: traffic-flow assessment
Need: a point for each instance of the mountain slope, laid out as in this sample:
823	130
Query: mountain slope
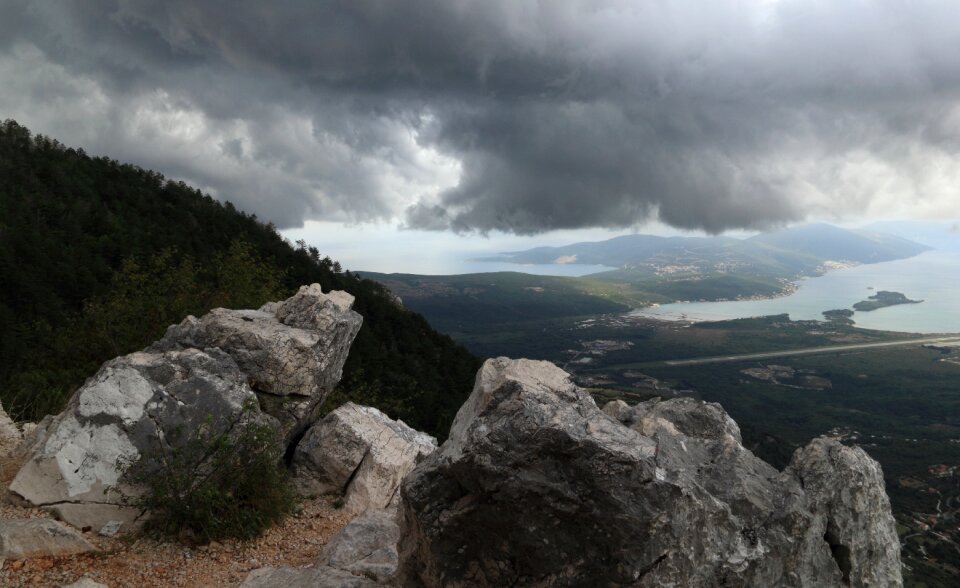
944	236
833	243
649	270
452	303
98	257
784	254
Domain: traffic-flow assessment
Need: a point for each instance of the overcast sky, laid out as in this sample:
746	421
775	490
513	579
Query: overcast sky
509	116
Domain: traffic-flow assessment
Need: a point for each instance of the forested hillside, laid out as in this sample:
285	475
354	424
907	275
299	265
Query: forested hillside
98	257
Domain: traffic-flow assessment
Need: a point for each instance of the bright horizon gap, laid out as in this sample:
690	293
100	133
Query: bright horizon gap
388	248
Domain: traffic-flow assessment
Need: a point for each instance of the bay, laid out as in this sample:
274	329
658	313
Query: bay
933	277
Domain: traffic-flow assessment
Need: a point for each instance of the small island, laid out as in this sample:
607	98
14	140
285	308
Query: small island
840	315
883	299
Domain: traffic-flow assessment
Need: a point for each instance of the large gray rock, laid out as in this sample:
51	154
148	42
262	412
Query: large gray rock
361	452
292	353
536	486
366	546
29	538
318	577
196	379
131	406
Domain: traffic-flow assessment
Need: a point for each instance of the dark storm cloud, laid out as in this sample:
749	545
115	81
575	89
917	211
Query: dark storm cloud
563	114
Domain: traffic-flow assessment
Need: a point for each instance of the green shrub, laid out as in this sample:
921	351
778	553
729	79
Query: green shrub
231	484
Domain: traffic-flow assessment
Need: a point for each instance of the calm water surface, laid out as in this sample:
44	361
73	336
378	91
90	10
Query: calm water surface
933	277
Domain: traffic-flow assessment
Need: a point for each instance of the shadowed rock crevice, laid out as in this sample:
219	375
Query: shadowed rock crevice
839	552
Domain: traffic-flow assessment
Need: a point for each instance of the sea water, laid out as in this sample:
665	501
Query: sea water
933	277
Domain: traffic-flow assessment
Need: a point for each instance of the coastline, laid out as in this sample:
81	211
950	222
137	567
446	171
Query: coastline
922	277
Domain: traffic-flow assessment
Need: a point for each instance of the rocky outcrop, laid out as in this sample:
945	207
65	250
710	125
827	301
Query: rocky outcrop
367	546
131	406
536	486
360	452
27	538
320	576
845	491
291	353
272	366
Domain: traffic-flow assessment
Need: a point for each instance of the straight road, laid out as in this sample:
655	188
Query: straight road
810	351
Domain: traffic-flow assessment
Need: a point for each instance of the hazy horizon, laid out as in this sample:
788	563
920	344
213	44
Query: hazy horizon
389	249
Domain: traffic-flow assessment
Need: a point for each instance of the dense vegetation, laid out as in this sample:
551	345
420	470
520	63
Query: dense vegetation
98	257
883	299
467	304
459	302
217	484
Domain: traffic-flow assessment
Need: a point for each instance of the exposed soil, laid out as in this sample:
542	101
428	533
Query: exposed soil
138	562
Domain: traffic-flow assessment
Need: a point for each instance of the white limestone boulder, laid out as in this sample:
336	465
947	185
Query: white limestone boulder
291	352
135	405
29	538
316	577
361	452
367	546
86	583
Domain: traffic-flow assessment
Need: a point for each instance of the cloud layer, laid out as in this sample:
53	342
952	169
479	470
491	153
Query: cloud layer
512	115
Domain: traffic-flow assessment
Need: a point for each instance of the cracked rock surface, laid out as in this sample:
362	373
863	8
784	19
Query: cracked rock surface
360	452
537	486
317	577
291	353
366	546
203	374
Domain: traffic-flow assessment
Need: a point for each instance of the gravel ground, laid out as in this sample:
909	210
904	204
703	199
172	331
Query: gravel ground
145	563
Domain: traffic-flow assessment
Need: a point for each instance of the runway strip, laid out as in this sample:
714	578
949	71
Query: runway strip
811	351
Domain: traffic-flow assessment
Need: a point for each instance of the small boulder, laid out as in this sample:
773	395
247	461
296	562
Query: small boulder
361	452
10	435
366	546
86	583
29	538
321	576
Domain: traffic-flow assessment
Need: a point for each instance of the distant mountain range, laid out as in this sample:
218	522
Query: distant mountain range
649	270
788	253
944	236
